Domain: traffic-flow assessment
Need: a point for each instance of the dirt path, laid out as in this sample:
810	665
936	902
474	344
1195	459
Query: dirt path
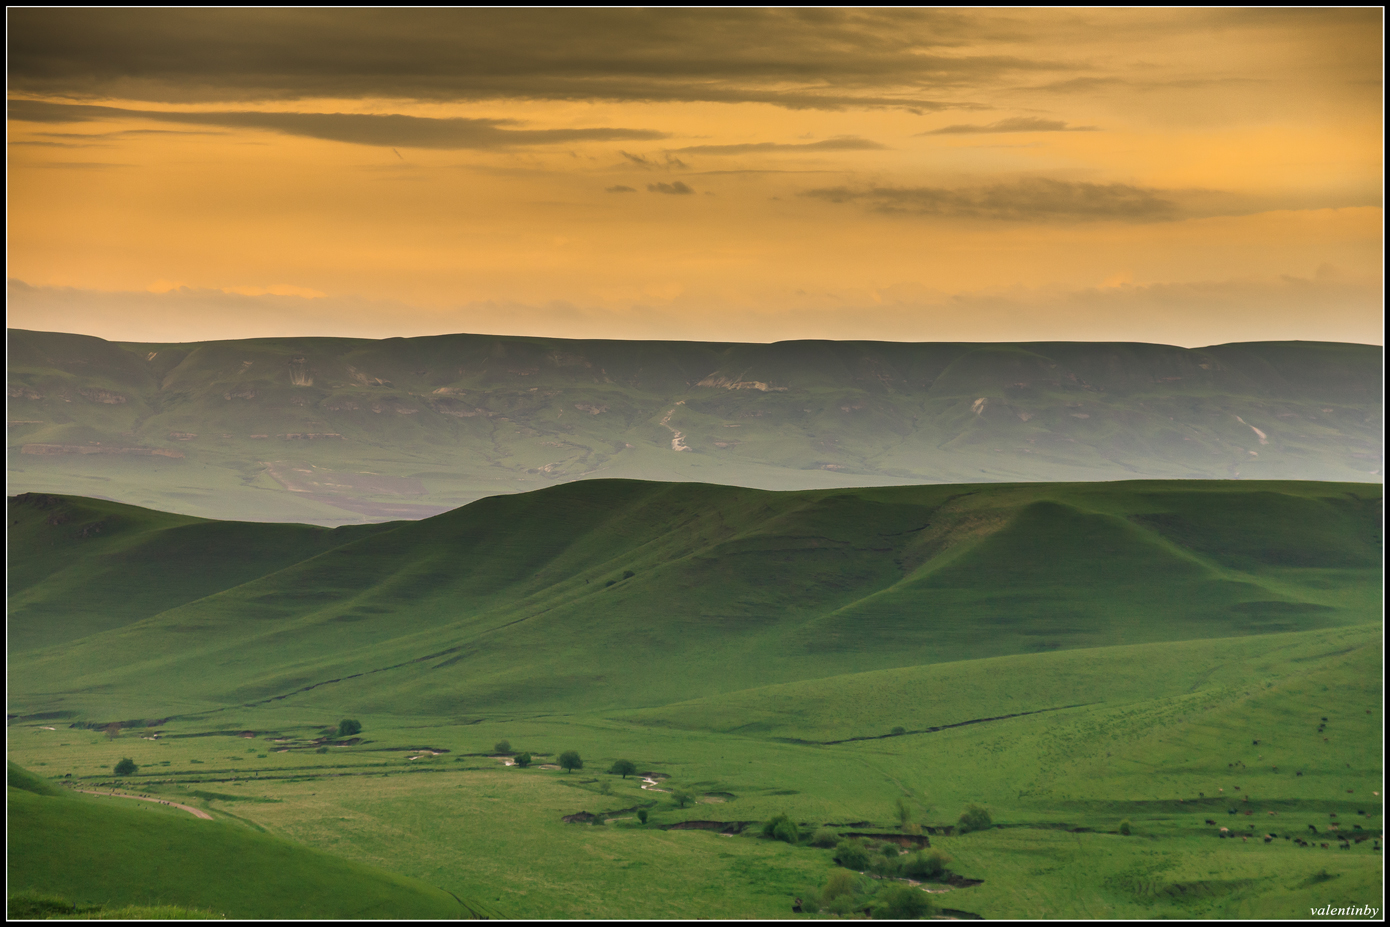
196	812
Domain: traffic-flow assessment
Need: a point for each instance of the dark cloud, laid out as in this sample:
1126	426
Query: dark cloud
818	59
1016	124
842	143
1034	199
355	128
676	187
620	189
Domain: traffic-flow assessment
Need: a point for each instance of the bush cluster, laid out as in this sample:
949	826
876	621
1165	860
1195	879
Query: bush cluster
975	818
846	894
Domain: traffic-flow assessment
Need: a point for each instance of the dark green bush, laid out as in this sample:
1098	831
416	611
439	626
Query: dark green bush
1125	827
770	825
825	838
642	815
975	818
929	864
347	727
503	747
852	855
523	760
126	767
786	830
902	903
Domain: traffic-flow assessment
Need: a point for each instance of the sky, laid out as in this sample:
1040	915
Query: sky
1186	177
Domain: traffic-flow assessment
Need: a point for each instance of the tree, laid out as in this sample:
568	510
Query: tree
902	903
852	855
642	815
126	767
898	730
975	818
786	830
113	730
523	760
570	761
347	727
929	865
682	797
904	814
624	768
502	747
1125	827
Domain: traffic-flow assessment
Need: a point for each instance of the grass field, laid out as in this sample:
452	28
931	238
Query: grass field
823	655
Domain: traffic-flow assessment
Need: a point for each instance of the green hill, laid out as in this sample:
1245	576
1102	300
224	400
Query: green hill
119	853
333	430
620	594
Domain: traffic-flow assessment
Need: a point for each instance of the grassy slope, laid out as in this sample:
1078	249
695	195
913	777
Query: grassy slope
507	604
106	851
479	830
430	423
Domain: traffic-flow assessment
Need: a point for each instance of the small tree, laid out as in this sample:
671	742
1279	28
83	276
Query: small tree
113	730
682	797
624	768
605	787
642	815
927	865
902	903
523	760
786	830
904	814
570	761
1125	827
502	747
899	730
825	838
126	767
840	884
975	818
347	727
852	855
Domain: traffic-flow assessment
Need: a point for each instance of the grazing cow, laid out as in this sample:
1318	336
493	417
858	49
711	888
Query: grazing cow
1231	811
1255	743
1271	814
1313	828
1332	814
1247	814
1211	822
1298	773
1360	812
1356	827
1268	837
1324	719
1324	846
1244	839
1224	832
1349	791
1332	827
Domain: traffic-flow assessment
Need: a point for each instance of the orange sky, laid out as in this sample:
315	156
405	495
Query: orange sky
1182	176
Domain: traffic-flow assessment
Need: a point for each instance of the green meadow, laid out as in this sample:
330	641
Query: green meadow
1070	656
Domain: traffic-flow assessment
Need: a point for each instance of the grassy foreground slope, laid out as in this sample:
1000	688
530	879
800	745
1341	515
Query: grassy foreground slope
337	430
115	852
620	594
1163	737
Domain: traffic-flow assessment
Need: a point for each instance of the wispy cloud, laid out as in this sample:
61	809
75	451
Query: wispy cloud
1016	124
675	188
1033	199
620	188
840	143
390	130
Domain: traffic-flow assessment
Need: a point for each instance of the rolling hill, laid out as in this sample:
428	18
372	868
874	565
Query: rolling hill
109	852
333	431
612	594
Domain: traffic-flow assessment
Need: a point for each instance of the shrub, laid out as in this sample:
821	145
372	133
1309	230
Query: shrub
1125	827
347	727
570	761
642	816
770	825
33	905
926	865
809	904
786	830
902	903
523	760
899	730
502	747
839	885
975	818
605	787
126	767
628	574
319	750
624	768
903	812
852	855
825	838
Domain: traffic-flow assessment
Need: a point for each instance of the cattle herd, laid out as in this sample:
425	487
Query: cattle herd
1343	841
